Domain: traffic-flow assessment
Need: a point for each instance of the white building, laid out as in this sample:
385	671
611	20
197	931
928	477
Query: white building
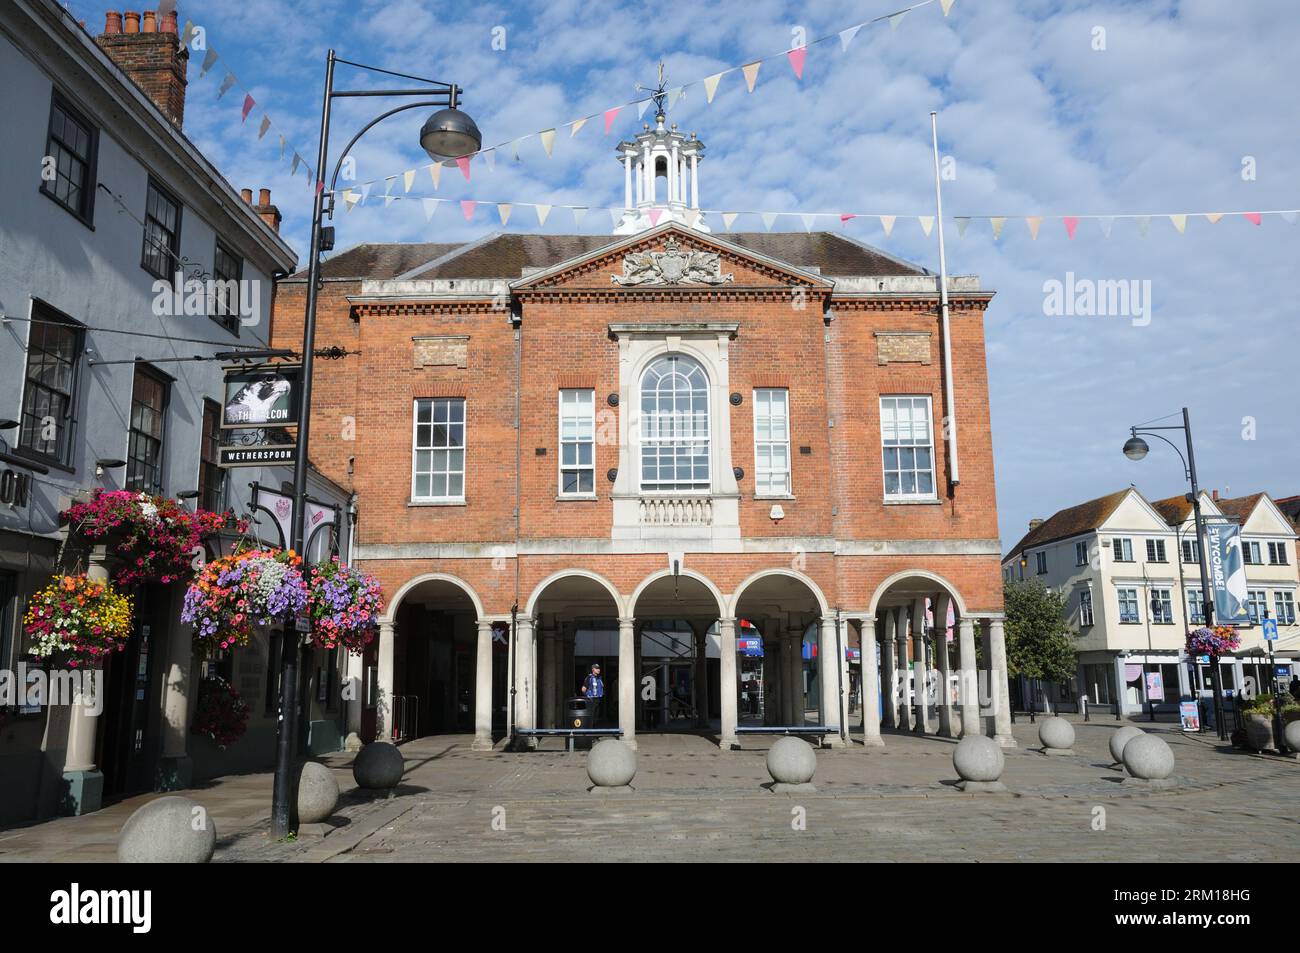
1129	571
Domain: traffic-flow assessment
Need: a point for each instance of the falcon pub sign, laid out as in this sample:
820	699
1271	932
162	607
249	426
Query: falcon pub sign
266	397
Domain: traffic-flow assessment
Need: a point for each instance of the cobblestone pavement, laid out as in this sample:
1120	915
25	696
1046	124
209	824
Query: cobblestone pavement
692	802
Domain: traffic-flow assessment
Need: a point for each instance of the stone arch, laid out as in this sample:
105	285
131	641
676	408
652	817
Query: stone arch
938	580
736	596
719	598
389	615
600	580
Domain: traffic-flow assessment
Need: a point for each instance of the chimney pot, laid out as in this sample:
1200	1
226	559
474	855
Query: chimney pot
264	197
1214	495
169	23
246	195
132	21
150	24
113	22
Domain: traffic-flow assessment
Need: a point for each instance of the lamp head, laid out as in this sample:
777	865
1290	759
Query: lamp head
1135	448
450	134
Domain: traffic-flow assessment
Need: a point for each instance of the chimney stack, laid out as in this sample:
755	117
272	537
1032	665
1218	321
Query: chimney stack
1034	524
152	57
1214	495
266	211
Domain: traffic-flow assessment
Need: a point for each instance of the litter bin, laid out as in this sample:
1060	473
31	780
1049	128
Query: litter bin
578	712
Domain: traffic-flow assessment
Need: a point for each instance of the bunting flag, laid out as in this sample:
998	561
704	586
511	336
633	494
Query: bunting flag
641	107
262	129
727	219
283	143
611	114
435	173
226	84
187	33
1179	222
1253	217
751	73
768	219
490	157
997	222
1143	224
616	216
248	107
579	213
1071	223
797	57
209	61
542	212
430	206
1033	222
887	223
1288	217
350	199
846	36
845	216
961	221
674	95
504	209
1213	217
548	140
463	163
655	214
467	208
927	223
808	220
408	180
947	6
575	126
1106	222
711	86
293	169
896	19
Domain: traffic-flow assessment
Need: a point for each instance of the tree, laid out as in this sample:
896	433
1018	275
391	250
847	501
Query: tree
1039	643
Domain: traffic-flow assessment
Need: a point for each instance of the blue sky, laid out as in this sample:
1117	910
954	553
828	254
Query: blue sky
1037	120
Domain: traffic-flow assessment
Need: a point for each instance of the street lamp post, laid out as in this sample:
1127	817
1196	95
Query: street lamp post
1135	448
448	133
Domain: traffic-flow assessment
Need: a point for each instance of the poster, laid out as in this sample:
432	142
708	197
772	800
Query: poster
1189	714
1155	687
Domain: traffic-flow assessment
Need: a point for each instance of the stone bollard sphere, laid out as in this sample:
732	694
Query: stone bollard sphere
1056	733
1291	735
378	766
318	793
611	764
169	830
1120	738
978	758
1149	758
791	761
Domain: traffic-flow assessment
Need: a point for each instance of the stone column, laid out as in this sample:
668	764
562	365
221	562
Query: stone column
827	701
483	688
998	682
695	180
727	636
900	646
870	686
921	725
356	673
889	670
82	780
649	173
176	770
674	175
968	694
627	180
627	680
941	652
794	677
525	685
385	677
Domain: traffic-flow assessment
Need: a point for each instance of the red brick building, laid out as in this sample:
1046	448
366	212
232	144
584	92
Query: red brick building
580	448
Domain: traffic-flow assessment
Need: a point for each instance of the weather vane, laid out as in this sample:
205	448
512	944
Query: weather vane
657	93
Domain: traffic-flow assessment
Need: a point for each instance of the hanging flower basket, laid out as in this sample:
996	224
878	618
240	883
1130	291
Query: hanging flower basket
154	536
345	606
234	593
220	712
1215	642
78	617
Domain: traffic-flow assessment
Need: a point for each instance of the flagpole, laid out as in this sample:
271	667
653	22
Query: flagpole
950	409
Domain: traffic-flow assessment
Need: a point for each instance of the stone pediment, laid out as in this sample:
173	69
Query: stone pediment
672	266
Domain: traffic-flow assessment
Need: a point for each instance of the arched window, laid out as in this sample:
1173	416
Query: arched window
674	425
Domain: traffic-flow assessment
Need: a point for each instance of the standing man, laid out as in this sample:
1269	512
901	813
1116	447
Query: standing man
593	686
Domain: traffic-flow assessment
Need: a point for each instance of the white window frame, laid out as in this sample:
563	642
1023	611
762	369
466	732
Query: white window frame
1122	598
1122	549
1191	551
1040	563
1086	617
1250	553
761	472
1277	554
704	444
1081	553
1284	607
1165	598
416	449
933	494
560	466
1195	606
1256	604
1156	551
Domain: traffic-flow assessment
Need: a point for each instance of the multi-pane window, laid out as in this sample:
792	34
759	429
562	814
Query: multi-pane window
227	270
1162	606
577	442
908	442
1081	553
1191	551
1196	606
162	233
1085	607
144	457
211	474
772	441
1040	562
1256	604
1123	549
1284	608
1277	554
68	175
438	467
1128	606
49	395
1250	553
674	425
1155	550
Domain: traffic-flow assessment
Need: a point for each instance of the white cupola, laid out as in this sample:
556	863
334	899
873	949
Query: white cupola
661	178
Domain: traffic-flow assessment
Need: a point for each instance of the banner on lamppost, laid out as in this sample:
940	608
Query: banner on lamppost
1227	572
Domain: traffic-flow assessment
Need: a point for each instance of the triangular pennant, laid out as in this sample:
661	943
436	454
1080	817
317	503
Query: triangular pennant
576	125
997	222
283	142
1143	224
1179	222
579	213
350	199
751	73
408	180
655	214
947	5
548	140
711	86
463	163
844	217
846	36
514	150
297	159
962	222
1105	223
365	194
265	125
1213	217
1071	223
927	223
641	107
887	223
768	219
1033	221
389	199
226	84
610	115
504	209
1254	218
187	33
1288	216
673	96
797	57
542	212
430	206
808	219
728	218
616	216
490	157
435	173
896	19
209	61
467	208
248	107
388	184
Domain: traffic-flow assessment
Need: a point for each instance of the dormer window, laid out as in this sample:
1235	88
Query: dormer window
674	425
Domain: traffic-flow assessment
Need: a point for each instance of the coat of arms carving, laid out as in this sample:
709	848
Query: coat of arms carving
672	266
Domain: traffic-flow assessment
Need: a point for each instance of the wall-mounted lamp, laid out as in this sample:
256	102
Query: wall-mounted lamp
102	465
